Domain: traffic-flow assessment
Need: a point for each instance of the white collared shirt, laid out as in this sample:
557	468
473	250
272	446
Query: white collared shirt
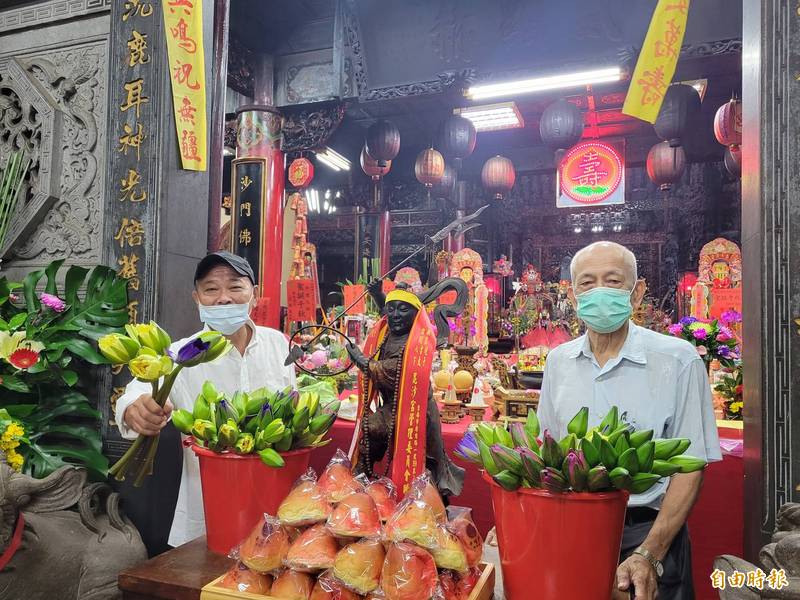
260	366
658	380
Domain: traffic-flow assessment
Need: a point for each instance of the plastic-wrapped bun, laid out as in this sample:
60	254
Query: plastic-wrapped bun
358	565
457	586
315	550
466	582
292	585
265	548
242	579
330	588
430	495
355	516
414	520
409	573
305	504
337	480
384	494
449	552
463	526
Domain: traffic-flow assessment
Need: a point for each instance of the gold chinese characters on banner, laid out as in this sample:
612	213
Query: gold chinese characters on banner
183	23
657	60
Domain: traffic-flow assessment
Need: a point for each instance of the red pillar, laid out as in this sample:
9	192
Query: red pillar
259	136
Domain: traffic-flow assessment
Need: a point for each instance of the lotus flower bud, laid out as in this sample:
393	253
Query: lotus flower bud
532	426
576	470
518	434
553	480
598	479
274	431
149	335
641	482
183	421
532	465
506	458
204	430
245	444
201	409
551	451
579	423
147	367
321	423
228	433
119	349
210	392
687	464
271	458
507	480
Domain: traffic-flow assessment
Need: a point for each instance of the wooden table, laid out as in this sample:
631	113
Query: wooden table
178	574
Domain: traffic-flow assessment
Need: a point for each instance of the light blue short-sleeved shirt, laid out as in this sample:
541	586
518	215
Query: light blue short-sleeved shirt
658	380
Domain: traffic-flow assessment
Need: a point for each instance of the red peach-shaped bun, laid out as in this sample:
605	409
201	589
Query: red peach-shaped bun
409	573
305	505
358	565
242	579
265	548
355	516
315	550
292	585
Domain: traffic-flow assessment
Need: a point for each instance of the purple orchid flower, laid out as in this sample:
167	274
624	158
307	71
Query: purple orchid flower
730	316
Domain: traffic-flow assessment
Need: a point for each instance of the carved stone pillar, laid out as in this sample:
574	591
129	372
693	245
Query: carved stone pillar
771	262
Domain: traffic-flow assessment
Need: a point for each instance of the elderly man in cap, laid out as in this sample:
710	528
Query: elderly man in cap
225	292
660	382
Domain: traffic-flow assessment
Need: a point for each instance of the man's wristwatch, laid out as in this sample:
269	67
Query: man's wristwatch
654	562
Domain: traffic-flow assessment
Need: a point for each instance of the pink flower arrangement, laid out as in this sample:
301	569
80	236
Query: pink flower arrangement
53	302
713	340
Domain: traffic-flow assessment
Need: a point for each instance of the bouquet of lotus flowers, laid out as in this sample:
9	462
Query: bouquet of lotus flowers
713	340
611	456
261	422
145	351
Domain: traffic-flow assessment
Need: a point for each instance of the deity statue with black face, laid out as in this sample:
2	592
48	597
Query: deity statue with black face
398	421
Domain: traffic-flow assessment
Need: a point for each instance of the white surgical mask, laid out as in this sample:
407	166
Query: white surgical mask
225	318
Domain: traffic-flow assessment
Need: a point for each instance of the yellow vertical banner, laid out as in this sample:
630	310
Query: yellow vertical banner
657	60
183	24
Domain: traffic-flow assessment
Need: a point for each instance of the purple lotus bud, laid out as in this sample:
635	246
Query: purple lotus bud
532	465
551	452
576	470
553	480
518	434
506	458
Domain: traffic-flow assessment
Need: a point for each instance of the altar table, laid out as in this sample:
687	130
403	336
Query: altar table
715	524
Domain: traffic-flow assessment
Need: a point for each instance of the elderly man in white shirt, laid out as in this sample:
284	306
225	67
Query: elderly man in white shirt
661	384
225	293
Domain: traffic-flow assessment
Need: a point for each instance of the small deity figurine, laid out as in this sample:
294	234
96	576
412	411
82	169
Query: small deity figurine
397	418
721	271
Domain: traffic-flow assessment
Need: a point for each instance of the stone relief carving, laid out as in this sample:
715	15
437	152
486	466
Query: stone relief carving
48	12
74	84
308	129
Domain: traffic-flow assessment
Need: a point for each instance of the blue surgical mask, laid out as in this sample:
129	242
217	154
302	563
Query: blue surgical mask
225	318
605	309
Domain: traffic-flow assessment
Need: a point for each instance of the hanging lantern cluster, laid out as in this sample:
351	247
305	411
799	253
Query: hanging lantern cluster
680	108
665	165
458	138
561	125
498	176
429	167
728	131
383	142
371	167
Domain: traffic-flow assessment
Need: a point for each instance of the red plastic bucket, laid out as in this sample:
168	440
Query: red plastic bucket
238	490
558	546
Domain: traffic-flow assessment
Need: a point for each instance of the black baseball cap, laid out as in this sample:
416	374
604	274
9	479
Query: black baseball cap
221	257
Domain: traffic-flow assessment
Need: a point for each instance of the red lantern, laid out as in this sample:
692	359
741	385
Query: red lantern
728	123
301	172
429	167
498	176
680	107
383	141
733	160
370	166
665	164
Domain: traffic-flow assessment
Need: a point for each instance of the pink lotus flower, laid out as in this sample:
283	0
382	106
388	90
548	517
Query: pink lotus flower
700	334
318	358
676	329
53	302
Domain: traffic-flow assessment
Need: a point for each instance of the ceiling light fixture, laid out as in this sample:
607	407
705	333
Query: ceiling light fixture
539	84
330	158
493	117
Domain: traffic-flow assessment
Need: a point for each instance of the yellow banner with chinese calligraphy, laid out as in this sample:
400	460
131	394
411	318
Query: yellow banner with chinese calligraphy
183	24
657	60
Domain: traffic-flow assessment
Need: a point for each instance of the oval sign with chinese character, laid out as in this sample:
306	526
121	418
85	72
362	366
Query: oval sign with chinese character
301	172
591	172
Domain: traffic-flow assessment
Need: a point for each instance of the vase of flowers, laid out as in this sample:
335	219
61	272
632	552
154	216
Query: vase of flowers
557	500
714	340
731	389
